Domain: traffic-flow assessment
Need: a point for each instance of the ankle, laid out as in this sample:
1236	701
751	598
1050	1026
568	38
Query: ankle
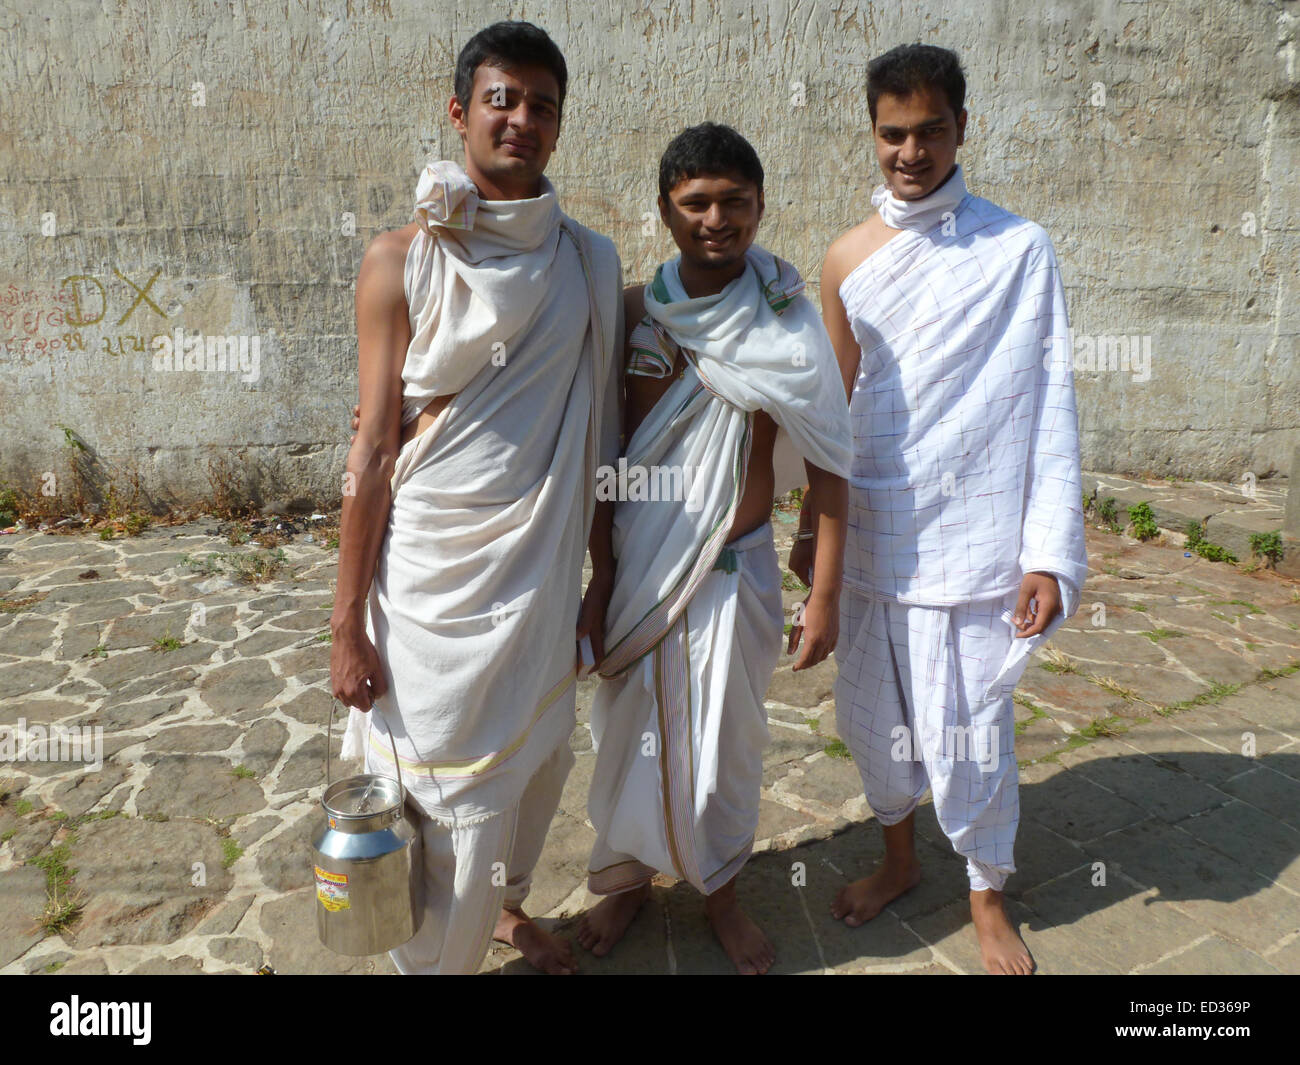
900	863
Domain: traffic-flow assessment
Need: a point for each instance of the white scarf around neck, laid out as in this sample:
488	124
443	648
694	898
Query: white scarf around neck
475	275
758	359
924	214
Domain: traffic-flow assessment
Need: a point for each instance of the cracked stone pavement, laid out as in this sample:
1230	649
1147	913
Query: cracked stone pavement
1160	780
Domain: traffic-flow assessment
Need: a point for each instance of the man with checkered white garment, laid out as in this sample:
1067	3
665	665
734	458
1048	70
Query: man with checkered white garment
965	545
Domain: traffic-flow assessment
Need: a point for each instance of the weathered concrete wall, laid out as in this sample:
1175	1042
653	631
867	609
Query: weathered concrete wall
195	166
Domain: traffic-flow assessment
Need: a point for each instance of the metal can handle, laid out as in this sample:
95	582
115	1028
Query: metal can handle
329	748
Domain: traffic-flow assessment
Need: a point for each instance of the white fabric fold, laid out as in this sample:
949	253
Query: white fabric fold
742	357
476	274
966	468
475	596
927	212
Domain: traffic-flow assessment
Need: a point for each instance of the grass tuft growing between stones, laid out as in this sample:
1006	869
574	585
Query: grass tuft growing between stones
1055	661
14	606
1103	726
62	904
252	567
230	852
1273	674
1212	696
838	749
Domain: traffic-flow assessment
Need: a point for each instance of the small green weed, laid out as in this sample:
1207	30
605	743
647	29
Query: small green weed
1144	522
1267	546
837	749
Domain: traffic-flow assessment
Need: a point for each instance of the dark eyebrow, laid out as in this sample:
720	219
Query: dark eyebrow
541	97
936	121
735	192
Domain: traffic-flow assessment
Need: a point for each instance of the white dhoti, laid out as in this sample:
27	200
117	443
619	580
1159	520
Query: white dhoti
913	704
475	597
697	773
473	870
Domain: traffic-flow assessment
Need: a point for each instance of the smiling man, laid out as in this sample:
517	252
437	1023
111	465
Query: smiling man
487	331
722	350
965	542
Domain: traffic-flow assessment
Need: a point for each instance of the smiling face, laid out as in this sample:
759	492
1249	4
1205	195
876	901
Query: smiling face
509	127
713	219
917	137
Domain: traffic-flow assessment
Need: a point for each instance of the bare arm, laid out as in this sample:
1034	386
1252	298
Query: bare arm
600	543
848	355
836	319
821	613
383	333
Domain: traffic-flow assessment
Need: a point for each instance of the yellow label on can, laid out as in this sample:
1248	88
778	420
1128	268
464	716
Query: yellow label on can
332	890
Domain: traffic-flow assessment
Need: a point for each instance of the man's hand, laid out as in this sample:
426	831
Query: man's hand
356	675
818	626
356	423
800	562
591	617
1045	593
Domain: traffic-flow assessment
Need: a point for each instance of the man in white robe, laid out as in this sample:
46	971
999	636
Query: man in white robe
728	351
509	402
965	547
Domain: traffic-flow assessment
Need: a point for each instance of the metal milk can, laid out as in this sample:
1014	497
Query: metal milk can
366	862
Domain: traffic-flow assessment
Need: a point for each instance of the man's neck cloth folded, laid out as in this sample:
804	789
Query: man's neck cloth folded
924	214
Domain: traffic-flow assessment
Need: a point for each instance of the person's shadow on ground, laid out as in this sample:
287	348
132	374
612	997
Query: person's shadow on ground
1103	850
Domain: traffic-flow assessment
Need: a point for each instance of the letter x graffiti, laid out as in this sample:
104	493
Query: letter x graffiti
143	294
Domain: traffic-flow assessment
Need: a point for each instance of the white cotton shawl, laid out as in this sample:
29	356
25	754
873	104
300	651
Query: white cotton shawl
933	209
475	275
966	466
475	596
742	357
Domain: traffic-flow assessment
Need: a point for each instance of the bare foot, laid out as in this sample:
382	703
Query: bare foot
1005	953
606	923
543	951
746	946
861	900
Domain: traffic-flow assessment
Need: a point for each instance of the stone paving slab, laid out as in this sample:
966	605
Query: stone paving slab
1158	740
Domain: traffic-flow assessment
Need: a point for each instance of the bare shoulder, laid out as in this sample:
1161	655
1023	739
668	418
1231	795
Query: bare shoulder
633	309
383	265
634	302
850	249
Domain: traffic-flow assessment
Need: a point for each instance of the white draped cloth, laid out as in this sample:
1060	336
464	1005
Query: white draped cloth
693	629
966	456
965	478
516	309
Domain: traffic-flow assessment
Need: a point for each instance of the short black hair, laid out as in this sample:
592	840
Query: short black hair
709	148
911	67
509	45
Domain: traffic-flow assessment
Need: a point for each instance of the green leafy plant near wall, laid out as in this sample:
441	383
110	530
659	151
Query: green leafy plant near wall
1267	546
1144	522
8	507
1105	511
1196	542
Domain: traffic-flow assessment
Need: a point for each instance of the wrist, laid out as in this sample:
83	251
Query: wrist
825	593
348	619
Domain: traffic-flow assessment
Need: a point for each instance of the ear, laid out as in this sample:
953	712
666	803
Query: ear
663	210
762	205
457	115
961	127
